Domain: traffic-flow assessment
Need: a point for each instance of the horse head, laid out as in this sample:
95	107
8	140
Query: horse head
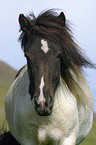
43	60
44	73
50	52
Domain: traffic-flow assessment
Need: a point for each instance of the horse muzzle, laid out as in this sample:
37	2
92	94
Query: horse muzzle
43	108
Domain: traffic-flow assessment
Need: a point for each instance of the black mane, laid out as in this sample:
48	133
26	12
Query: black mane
49	26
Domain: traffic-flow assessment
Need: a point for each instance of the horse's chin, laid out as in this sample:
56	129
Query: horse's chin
44	112
43	107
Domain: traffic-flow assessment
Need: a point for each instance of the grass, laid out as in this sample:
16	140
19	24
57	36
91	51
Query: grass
7	75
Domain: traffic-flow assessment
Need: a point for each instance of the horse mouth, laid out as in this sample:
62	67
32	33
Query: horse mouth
43	113
42	110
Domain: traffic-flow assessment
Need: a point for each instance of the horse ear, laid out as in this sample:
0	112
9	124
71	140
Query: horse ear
24	23
62	18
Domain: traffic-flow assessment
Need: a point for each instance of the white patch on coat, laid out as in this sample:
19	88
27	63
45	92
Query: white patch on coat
44	46
23	120
41	96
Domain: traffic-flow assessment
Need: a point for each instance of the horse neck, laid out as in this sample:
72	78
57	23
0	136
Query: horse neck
63	93
80	89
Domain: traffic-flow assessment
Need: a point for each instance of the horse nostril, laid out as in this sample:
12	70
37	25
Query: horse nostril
35	101
48	101
50	98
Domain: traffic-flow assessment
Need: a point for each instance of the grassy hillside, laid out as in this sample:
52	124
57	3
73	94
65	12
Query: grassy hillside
7	75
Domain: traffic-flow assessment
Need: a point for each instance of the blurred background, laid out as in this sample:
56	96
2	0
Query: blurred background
82	15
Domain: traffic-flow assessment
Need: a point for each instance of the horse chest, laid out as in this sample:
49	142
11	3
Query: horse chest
27	125
43	129
54	127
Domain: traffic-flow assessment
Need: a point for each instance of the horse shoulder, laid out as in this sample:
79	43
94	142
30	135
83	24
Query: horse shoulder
12	99
85	108
82	93
85	114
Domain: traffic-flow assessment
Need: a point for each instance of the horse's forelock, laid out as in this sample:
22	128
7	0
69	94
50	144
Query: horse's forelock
48	26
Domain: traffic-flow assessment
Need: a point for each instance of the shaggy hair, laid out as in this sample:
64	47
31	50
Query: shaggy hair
50	26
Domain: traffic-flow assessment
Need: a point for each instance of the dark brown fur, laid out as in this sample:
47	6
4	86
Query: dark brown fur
51	27
7	139
54	28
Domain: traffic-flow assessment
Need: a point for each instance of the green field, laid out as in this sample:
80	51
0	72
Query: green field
7	75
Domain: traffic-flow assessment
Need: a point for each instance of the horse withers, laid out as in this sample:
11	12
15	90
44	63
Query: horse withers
49	102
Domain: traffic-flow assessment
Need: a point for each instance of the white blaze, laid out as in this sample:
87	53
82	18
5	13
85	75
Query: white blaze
44	46
41	96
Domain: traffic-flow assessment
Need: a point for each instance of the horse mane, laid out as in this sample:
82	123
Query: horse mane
49	26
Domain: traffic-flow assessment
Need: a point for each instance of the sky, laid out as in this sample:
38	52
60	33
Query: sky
81	13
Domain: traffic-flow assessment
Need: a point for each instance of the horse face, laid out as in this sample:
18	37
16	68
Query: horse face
44	74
